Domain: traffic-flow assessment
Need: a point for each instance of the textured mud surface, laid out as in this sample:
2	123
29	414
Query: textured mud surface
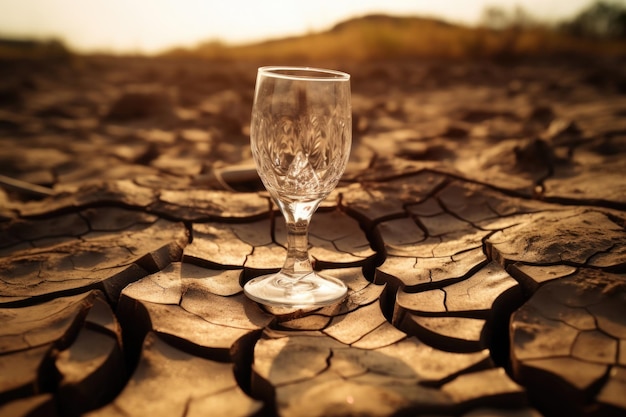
480	227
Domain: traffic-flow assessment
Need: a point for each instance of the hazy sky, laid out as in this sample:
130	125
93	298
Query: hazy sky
152	25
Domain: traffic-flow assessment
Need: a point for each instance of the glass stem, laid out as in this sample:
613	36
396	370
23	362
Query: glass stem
297	218
298	262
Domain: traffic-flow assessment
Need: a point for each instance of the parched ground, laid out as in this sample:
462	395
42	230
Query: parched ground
480	227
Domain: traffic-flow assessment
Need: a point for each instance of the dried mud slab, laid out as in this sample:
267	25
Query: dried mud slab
120	192
593	134
569	339
372	202
103	248
198	310
594	169
69	348
531	277
202	316
160	386
149	193
459	317
577	237
196	205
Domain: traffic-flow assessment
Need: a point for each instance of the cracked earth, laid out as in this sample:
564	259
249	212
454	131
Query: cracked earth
480	228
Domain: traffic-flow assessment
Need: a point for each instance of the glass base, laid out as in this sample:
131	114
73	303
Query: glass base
282	290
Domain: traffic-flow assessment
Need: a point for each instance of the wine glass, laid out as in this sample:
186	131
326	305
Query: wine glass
300	135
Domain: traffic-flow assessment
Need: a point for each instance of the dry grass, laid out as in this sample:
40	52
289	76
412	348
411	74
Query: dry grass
373	38
384	37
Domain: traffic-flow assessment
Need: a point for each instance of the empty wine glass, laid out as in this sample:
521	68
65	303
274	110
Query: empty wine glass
300	135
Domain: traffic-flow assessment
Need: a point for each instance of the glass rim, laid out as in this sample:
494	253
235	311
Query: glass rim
292	73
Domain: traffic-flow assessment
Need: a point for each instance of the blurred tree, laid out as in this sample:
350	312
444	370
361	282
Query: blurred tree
602	19
511	27
494	17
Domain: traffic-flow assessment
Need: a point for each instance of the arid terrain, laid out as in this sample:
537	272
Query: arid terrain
480	227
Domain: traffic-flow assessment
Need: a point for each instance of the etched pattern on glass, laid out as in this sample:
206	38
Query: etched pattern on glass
301	159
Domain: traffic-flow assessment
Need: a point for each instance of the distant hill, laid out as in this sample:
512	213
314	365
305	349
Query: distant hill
389	37
375	37
383	19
